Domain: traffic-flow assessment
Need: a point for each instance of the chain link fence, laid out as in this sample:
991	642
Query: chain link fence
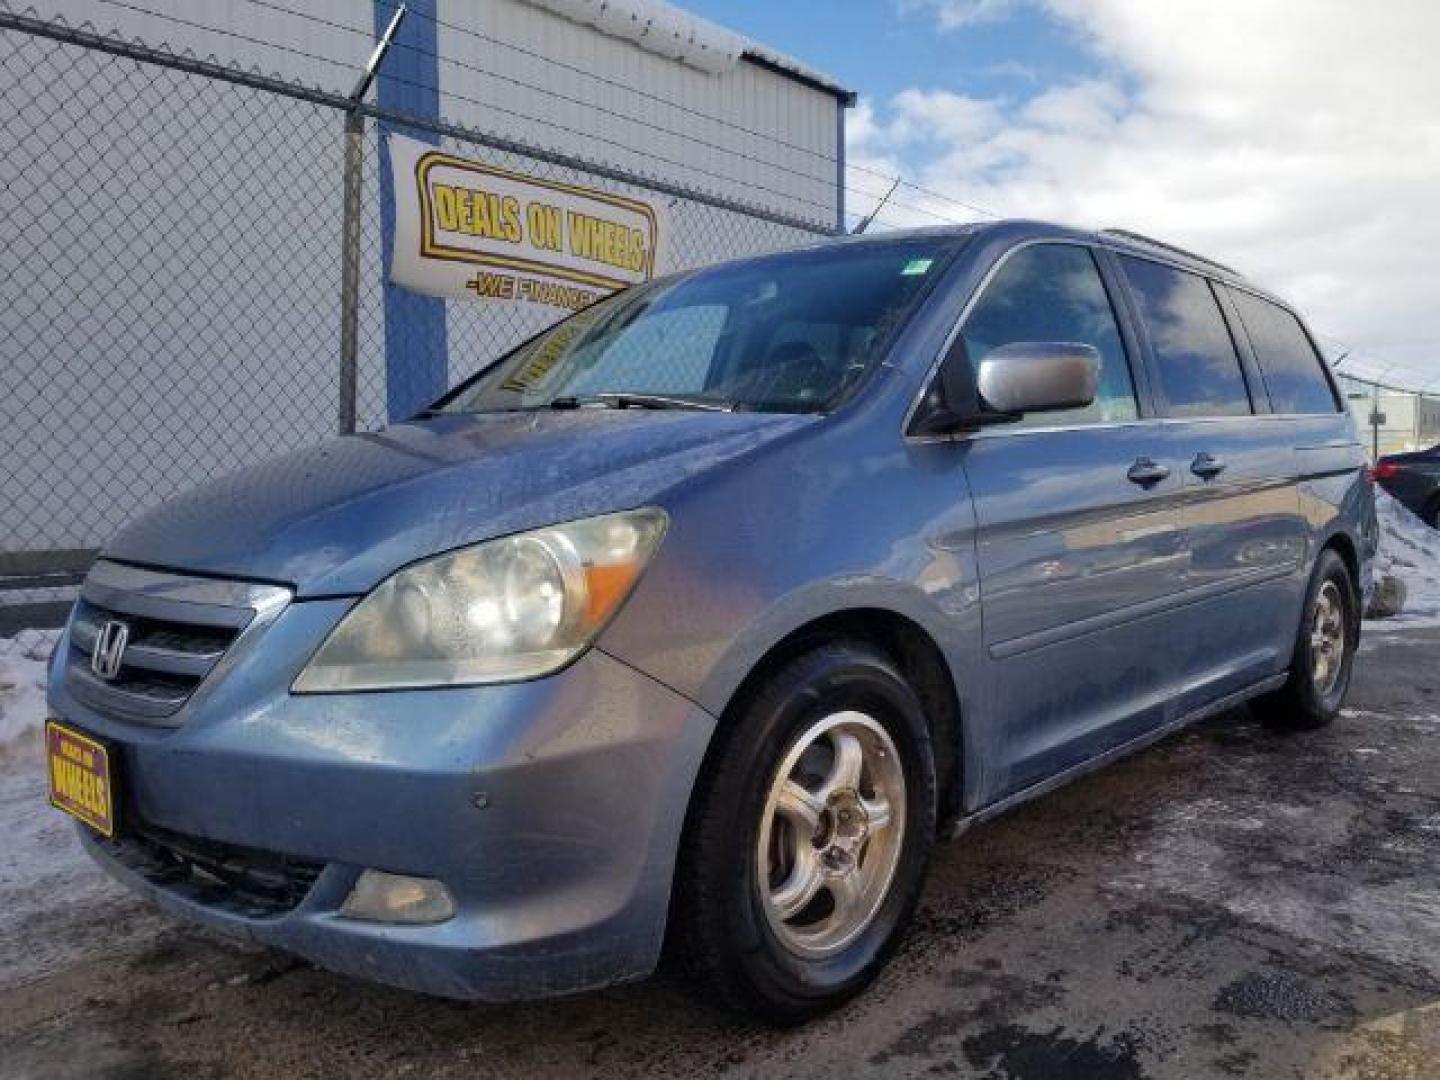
1392	418
170	283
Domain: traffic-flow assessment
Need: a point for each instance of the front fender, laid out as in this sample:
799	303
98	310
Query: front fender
820	600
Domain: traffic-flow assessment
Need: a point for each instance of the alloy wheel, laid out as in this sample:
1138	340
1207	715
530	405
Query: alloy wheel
831	835
1327	639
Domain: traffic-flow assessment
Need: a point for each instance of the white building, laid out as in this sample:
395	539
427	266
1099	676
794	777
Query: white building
638	84
1394	421
170	281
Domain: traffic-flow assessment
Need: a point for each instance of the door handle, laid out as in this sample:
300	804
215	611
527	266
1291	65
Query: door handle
1146	472
1207	467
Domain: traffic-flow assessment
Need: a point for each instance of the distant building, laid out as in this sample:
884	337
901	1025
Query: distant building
1405	421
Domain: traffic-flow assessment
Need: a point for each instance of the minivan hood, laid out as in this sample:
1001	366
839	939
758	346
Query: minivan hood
337	518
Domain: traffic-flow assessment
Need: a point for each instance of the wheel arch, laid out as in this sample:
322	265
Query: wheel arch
1344	545
917	654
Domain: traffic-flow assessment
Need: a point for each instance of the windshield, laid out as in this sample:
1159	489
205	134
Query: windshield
786	333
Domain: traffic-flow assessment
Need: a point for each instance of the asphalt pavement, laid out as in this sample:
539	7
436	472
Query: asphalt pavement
1232	902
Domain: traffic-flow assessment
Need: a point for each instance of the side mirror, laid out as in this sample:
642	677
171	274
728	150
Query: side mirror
1022	377
1038	376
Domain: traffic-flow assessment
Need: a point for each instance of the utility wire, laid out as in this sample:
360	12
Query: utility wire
1368	371
557	95
528	118
166	17
912	186
486	105
810	178
542	58
482	36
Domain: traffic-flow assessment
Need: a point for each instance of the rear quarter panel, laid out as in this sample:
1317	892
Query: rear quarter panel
1336	497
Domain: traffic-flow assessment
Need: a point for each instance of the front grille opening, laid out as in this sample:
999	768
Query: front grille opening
188	640
241	880
164	660
153	686
179	637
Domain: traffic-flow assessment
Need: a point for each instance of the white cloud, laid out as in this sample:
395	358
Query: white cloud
955	14
1011	69
1301	144
942	118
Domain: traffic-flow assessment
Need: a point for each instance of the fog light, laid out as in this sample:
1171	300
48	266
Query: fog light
395	898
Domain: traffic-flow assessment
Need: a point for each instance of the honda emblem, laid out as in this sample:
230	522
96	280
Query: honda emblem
109	649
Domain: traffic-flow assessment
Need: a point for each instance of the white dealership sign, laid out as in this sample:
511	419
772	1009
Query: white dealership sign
466	229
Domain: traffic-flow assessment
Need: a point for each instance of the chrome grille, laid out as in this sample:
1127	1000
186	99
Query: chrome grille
180	630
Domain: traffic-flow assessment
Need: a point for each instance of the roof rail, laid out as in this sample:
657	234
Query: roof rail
1127	234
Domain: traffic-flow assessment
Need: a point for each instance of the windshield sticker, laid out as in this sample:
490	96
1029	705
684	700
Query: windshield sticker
917	266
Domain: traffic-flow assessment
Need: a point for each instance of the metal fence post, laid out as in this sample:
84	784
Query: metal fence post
350	231
1375	422
350	269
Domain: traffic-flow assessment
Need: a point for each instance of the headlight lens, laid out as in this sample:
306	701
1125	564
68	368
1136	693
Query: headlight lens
514	608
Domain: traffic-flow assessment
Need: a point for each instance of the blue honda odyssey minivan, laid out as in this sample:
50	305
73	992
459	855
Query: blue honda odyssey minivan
694	620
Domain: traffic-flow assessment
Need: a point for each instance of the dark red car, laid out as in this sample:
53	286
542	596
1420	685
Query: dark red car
1414	479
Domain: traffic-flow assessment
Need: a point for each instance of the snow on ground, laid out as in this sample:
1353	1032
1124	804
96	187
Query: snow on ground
1410	550
54	903
22	686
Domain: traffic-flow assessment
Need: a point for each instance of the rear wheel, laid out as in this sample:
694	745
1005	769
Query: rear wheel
1324	651
1431	514
808	839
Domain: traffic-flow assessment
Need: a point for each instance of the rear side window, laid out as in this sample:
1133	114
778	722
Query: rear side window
1053	292
1196	365
1291	366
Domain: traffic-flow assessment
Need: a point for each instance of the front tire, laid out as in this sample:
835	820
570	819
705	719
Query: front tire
808	836
1324	651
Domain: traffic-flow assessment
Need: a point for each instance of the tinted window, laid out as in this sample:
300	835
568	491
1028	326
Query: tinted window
785	333
1197	368
1053	292
1290	364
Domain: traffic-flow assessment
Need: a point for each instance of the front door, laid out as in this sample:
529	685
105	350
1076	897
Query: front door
1079	545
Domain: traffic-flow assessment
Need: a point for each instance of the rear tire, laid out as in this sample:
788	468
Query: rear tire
808	837
1324	654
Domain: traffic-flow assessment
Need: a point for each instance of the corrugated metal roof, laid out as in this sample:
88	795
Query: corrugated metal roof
670	31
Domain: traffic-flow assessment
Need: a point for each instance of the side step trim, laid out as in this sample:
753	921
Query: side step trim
1084	768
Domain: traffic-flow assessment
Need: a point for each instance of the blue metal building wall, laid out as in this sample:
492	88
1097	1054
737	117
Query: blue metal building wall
416	357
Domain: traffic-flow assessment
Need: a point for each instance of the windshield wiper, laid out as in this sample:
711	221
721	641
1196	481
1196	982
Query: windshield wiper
627	400
667	401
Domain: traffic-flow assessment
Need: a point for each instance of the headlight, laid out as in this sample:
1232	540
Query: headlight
514	608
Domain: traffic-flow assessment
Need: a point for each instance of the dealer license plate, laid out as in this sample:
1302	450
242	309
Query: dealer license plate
80	781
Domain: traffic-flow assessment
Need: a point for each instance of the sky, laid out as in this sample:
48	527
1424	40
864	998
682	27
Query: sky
1298	142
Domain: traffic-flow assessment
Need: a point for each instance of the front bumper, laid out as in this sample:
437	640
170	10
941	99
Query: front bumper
551	810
